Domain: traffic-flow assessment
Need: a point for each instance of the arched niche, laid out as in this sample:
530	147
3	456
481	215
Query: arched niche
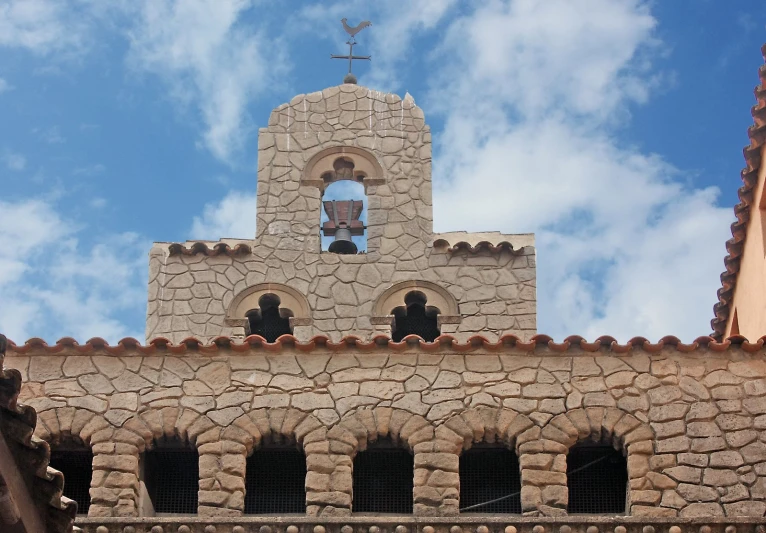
342	162
248	300
436	297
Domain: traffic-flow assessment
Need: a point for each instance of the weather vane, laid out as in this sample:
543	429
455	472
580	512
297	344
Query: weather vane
352	31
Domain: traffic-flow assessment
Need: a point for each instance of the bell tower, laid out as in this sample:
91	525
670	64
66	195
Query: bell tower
345	133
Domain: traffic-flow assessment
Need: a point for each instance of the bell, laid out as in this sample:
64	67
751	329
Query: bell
343	224
343	243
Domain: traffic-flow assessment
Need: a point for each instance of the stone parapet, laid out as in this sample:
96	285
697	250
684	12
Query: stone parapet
408	524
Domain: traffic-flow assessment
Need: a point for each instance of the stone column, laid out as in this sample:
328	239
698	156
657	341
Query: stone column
437	480
115	485
222	465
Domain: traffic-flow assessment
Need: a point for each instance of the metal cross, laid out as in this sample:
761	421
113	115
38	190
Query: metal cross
350	56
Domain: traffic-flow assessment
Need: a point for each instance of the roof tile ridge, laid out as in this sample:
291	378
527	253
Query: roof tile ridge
749	175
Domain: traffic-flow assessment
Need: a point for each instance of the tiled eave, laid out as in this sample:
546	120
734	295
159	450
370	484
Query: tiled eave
478	247
211	249
538	345
735	245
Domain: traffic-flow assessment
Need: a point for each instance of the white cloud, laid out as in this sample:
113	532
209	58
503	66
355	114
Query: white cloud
210	60
54	285
89	170
4	86
531	105
13	160
43	26
234	217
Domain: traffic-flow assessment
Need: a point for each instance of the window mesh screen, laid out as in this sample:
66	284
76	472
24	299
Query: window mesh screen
383	480
77	467
415	322
270	325
597	477
487	474
275	482
171	475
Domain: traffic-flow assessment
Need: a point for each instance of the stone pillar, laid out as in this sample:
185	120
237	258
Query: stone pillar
222	465
437	480
115	485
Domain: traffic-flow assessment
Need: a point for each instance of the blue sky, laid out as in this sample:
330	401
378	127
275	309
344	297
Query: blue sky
611	128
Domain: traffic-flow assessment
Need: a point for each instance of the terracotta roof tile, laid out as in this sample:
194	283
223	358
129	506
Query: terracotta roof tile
444	343
479	246
735	245
17	423
220	248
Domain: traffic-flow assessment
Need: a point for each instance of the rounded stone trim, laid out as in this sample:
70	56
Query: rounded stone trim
320	169
436	295
489	424
247	300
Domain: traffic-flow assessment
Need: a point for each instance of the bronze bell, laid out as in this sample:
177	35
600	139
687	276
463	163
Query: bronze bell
343	224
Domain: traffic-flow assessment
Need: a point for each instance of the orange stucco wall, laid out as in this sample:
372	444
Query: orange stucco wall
750	292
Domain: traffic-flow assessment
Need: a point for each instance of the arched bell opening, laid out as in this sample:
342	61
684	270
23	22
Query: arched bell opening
415	318
344	210
270	321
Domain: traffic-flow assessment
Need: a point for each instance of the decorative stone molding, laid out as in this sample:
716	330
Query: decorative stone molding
247	300
436	295
320	170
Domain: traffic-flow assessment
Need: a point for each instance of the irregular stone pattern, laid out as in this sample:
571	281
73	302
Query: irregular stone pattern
693	427
496	291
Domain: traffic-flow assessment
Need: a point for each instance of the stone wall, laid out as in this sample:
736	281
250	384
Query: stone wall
189	295
691	420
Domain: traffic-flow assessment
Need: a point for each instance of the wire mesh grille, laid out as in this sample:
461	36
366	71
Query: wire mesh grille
77	467
600	487
275	482
383	481
270	325
415	322
172	479
487	474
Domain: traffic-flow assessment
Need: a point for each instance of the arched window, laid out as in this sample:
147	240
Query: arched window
490	480
269	321
75	461
597	478
415	318
383	476
170	471
275	481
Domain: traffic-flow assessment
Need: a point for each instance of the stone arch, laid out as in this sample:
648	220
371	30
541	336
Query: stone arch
488	424
394	296
268	425
323	169
79	424
600	424
247	300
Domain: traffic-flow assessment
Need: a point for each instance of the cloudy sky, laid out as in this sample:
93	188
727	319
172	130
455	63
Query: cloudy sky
611	128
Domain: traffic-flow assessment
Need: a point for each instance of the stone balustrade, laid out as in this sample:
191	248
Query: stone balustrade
409	524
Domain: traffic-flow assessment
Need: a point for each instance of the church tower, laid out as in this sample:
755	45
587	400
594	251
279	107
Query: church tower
406	280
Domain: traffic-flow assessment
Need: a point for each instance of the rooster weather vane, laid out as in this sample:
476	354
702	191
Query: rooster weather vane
352	31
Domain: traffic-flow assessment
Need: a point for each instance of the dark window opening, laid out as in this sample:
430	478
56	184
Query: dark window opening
415	318
490	481
275	481
597	477
383	479
171	474
76	464
270	321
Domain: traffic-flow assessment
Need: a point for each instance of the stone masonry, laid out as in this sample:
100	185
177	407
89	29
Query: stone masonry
691	419
192	286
